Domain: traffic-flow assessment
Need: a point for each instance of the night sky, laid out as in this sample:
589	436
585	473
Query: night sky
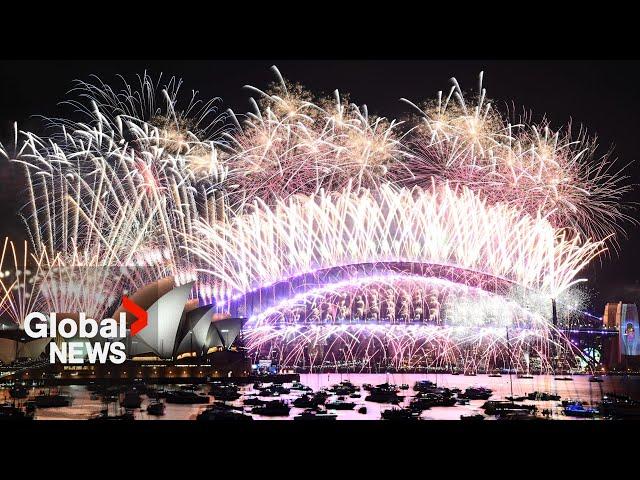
601	95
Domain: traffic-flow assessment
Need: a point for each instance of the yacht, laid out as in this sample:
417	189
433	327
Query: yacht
274	408
543	396
472	418
340	405
255	402
495	407
185	398
104	416
619	406
399	414
156	408
379	395
476	393
579	410
423	385
314	415
225	415
225	393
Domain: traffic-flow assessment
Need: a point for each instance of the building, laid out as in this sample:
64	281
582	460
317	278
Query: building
623	317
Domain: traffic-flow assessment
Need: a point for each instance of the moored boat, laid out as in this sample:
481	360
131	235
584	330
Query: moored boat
315	415
156	408
186	397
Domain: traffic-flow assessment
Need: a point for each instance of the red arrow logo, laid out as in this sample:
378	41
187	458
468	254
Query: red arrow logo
138	312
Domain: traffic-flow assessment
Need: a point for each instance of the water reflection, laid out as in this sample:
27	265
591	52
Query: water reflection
86	405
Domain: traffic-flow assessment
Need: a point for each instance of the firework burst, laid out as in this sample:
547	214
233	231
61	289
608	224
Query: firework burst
530	167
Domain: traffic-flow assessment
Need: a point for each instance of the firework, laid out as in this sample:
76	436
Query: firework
530	167
120	191
295	144
407	225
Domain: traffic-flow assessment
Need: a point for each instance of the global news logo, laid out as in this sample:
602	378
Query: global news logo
87	340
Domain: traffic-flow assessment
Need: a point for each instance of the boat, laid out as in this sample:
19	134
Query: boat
384	393
426	401
131	400
274	408
279	389
9	411
355	395
596	379
516	399
619	406
455	372
224	415
476	393
543	396
399	414
470	374
255	402
52	401
516	415
186	398
495	374
308	401
224	406
474	418
443	392
299	386
379	396
424	385
579	410
19	392
266	392
404	386
524	375
340	405
190	388
496	407
156	408
225	393
387	387
104	416
564	378
314	415
419	405
463	401
344	388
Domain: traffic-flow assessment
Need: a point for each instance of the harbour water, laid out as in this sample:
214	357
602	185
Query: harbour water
84	405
